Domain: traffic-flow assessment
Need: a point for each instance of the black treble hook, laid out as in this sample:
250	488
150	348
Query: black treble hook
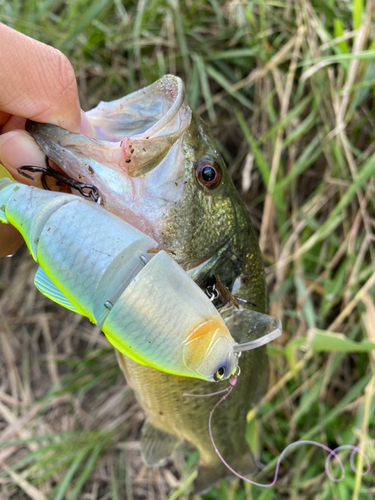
92	192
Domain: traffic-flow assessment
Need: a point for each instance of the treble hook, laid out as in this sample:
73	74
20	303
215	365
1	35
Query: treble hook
92	192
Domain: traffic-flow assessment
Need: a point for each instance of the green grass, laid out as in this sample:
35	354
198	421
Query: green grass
287	88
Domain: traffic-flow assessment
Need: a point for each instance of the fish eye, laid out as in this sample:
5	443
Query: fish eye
219	373
208	173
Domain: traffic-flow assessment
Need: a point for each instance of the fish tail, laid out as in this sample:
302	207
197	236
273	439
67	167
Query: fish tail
208	475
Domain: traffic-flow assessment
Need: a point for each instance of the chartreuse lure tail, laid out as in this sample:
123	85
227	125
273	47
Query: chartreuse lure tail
98	265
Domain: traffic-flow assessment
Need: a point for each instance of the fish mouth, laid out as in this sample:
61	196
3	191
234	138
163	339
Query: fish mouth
134	133
146	113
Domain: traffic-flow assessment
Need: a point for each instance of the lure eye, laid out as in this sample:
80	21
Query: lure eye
208	173
219	375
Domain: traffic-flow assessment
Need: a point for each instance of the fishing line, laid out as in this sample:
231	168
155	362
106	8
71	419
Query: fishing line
206	395
331	452
232	380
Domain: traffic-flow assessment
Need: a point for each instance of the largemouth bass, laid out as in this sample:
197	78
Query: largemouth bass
157	166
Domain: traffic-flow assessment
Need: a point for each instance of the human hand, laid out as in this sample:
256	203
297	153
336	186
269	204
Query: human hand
36	82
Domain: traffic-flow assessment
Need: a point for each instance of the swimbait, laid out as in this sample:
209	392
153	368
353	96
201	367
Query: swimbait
98	265
187	202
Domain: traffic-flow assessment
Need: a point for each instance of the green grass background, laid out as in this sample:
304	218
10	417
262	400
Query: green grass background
287	88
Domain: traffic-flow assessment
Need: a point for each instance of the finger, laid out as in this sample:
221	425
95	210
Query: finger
86	126
18	148
3	117
37	81
10	239
13	123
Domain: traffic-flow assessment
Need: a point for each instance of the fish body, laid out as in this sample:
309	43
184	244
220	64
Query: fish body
175	198
96	264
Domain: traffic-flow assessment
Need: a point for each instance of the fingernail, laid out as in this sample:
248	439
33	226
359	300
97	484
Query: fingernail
18	148
86	128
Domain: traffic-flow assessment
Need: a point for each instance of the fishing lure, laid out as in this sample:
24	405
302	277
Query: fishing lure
98	265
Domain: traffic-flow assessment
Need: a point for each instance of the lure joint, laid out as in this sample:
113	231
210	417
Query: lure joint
108	305
86	190
143	259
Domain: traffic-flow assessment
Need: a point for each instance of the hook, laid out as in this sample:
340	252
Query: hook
92	192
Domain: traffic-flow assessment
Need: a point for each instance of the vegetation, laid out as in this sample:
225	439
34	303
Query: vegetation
287	88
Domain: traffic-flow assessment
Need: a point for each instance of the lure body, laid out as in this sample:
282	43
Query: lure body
97	265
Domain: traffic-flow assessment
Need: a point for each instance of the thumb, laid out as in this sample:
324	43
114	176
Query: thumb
37	81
